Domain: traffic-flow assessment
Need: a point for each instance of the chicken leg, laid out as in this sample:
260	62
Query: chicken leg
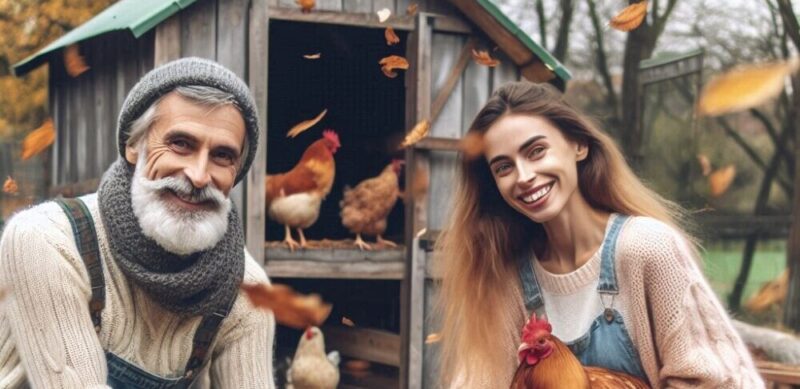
303	241
289	240
361	244
383	242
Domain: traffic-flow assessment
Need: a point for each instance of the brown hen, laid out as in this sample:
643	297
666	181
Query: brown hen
366	207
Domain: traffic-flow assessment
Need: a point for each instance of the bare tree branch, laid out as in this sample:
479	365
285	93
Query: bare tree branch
790	23
780	143
601	62
542	22
562	39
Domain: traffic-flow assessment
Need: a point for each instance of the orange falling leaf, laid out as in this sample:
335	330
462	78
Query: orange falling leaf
630	17
313	56
38	140
482	57
391	37
705	164
305	124
411	10
392	62
346	321
416	134
306	5
289	307
472	145
720	180
74	62
433	338
10	186
744	87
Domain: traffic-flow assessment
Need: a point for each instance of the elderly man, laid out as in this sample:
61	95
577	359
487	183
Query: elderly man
137	285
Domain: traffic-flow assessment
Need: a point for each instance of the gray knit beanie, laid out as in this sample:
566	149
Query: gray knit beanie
190	71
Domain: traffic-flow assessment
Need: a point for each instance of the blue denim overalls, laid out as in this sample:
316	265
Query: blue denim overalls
607	343
121	373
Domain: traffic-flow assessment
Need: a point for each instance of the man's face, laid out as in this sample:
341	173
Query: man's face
184	173
197	142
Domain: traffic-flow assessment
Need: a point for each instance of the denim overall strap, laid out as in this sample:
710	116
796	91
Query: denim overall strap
608	274
86	239
531	294
131	376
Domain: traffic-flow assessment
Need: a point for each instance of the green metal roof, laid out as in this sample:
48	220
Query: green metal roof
138	16
551	62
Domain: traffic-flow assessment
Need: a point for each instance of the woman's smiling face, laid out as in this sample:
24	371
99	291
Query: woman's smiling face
533	164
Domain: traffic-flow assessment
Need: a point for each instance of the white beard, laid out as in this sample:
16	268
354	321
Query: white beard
173	228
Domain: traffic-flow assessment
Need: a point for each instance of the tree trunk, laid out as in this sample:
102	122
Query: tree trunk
792	312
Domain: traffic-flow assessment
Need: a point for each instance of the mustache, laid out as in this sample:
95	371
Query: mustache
183	188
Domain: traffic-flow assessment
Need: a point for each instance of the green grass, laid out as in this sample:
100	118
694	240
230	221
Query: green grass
722	261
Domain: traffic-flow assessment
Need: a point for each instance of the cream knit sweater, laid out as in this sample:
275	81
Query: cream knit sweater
46	334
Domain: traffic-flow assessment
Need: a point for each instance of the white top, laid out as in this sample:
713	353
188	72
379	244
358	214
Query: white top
46	329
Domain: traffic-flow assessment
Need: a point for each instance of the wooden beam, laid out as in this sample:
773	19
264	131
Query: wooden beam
168	40
362	343
258	49
367	20
438	144
510	45
357	270
416	342
452	79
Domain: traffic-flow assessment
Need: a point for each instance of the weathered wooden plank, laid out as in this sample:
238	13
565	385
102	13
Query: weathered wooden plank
447	47
104	121
231	38
145	52
431	376
199	30
476	92
336	255
258	50
437	143
418	102
369	20
505	72
329	5
75	189
362	343
510	44
341	269
168	40
378	5
357	6
416	316
52	101
446	91
73	122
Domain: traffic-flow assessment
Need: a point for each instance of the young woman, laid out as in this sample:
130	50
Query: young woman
551	219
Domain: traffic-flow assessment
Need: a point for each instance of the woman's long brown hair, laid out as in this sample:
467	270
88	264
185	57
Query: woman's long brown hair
480	302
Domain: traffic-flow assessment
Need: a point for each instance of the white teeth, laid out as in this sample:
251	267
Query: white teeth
538	195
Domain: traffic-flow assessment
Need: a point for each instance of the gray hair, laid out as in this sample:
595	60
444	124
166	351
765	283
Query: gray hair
203	95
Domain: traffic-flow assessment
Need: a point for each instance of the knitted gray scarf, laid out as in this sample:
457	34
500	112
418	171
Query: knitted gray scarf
201	283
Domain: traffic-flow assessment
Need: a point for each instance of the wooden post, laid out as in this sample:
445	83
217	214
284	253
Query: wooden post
792	310
418	104
258	49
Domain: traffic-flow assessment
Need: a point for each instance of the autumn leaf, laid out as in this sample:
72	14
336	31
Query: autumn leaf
471	145
705	164
305	124
416	134
720	180
289	307
38	140
391	37
10	186
630	17
74	62
433	338
482	57
388	64
313	56
411	10
346	321
744	87
306	5
383	14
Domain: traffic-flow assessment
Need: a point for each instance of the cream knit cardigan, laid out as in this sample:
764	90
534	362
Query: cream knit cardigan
46	334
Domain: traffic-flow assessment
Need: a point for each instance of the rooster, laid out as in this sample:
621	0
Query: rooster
364	209
293	198
311	367
547	363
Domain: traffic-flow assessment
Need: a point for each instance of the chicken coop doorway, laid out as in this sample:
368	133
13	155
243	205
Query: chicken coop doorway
365	108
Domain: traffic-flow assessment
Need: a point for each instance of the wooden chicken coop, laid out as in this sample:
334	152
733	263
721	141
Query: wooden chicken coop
385	293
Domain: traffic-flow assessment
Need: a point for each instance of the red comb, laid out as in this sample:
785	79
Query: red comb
534	326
